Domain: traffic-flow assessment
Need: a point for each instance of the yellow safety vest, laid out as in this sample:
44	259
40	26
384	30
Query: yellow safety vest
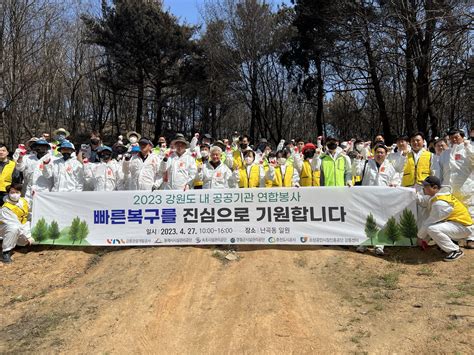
21	213
460	213
238	163
283	181
6	175
309	177
198	182
249	181
416	173
268	183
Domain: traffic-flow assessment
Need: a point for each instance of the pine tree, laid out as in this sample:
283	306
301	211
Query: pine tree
83	231
40	231
407	225
391	230
371	229
53	231
74	230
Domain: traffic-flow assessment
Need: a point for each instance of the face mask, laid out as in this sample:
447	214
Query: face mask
60	137
133	140
105	157
332	146
95	141
249	160
359	147
66	156
162	144
14	197
308	154
204	154
243	146
281	161
40	154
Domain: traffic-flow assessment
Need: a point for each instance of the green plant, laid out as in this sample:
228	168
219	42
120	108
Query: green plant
371	229
40	231
83	231
53	231
74	230
407	225
391	230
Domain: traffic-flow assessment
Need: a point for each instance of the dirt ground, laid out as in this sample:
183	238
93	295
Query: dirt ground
191	300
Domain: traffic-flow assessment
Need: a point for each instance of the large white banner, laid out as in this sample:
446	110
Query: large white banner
315	215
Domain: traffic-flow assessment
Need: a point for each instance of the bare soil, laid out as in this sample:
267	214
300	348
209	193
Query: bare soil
192	300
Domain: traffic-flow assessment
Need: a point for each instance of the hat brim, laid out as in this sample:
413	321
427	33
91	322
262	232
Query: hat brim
133	133
173	142
66	133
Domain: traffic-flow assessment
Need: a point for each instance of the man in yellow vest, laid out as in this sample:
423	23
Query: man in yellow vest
420	163
14	225
448	218
8	173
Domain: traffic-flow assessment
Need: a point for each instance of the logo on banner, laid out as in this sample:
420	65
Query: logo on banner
271	240
304	239
198	240
232	240
116	241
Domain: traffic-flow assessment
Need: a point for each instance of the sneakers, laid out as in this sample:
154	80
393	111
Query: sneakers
6	257
379	251
454	255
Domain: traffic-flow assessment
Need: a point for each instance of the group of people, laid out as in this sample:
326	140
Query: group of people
441	173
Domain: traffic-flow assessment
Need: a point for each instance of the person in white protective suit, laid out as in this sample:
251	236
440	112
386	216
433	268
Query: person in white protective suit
32	166
107	174
376	172
215	174
456	165
448	219
141	170
66	172
178	167
14	225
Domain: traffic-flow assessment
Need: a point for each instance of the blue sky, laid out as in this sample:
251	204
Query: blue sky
189	9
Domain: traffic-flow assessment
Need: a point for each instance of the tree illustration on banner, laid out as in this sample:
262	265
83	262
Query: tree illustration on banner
391	230
40	231
83	231
407	225
53	231
371	228
75	230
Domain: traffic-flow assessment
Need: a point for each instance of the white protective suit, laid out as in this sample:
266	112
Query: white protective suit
67	176
103	176
142	174
435	227
13	232
218	178
34	180
178	171
456	165
386	175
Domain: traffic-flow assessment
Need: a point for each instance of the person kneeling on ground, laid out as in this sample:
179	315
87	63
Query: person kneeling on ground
448	218
14	226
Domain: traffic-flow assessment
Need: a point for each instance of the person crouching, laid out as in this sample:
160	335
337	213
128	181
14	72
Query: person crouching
14	225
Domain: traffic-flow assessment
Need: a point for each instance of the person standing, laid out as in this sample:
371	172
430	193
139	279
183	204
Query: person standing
8	171
141	169
66	172
420	163
334	165
178	167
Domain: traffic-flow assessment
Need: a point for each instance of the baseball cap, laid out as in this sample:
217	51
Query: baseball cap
432	180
